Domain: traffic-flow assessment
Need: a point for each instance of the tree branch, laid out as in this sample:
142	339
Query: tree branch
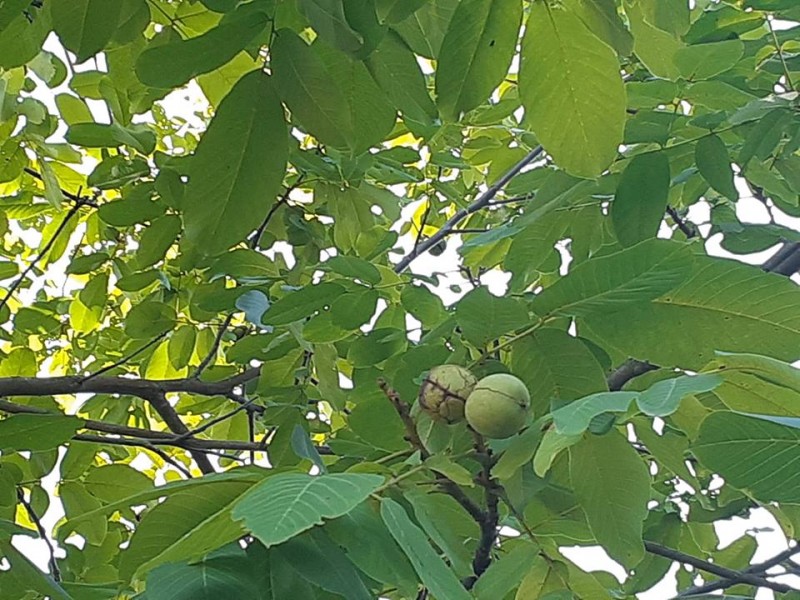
480	202
212	353
51	561
491	516
142	388
688	230
125	359
18	281
628	370
445	483
81	200
715	569
785	261
756	569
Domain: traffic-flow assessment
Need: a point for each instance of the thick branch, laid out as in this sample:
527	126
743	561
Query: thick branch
628	370
142	388
491	516
785	261
480	202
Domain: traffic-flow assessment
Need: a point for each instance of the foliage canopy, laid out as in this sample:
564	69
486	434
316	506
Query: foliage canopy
214	326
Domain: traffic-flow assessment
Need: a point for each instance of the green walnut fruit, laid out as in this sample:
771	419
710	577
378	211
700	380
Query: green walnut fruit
444	392
498	406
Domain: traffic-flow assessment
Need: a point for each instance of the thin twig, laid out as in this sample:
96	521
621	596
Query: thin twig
125	359
18	281
215	421
254	239
513	200
168	459
756	569
151	444
480	202
786	72
51	561
212	354
710	567
412	437
82	200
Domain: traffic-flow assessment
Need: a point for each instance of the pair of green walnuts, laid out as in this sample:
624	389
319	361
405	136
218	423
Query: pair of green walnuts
497	406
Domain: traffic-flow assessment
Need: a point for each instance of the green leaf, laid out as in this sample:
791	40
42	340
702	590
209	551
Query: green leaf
334	98
714	164
185	526
352	310
35	433
181	345
156	240
704	61
52	189
423	305
724	304
424	30
375	347
432	570
664	397
572	91
395	69
503	574
149	319
196	485
602	18
484	317
475	54
98	135
243	265
519	451
641	198
349	26
8	270
289	503
113	482
323	563
26	576
238	166
449	527
655	47
555	367
175	63
608	283
765	368
354	267
612	486
254	304
302	303
210	579
85	26
574	418
753	455
302	446
381	559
